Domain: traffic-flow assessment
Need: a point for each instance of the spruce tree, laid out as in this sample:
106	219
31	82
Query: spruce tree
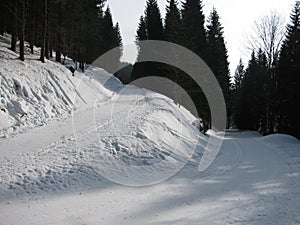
252	108
193	27
235	91
173	26
194	38
217	57
238	76
173	33
153	21
245	117
109	29
150	28
263	93
141	33
117	42
288	77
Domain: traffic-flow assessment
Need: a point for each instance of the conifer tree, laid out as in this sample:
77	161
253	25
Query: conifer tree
235	91
173	33
117	43
141	33
150	28
194	38
288	77
245	117
253	105
238	76
153	21
109	30
173	26
217	57
193	27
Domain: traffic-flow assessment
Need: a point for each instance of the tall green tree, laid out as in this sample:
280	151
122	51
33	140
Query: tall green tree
153	21
289	77
150	28
173	24
194	38
235	92
173	33
217	56
252	108
141	33
112	33
238	76
193	21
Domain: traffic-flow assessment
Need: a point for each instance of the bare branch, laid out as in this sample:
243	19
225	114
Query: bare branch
268	33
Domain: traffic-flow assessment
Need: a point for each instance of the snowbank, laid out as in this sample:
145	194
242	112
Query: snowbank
32	93
128	135
281	141
276	139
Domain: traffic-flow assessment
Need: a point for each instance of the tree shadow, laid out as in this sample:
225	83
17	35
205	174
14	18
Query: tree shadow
244	195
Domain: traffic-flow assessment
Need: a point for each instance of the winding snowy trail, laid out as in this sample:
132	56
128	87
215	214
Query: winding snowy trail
254	180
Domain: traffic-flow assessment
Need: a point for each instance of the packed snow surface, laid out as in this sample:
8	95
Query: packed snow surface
88	150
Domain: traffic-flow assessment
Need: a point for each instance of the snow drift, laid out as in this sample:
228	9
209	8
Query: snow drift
32	93
126	134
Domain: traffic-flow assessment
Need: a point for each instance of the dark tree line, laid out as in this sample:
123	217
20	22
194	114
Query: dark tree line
185	26
79	29
267	93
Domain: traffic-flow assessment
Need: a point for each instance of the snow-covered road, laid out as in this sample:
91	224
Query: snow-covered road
58	169
254	180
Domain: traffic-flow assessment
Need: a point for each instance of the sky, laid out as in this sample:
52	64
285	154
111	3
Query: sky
236	16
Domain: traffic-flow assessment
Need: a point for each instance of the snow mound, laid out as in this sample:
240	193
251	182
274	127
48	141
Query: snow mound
153	140
90	126
32	93
280	139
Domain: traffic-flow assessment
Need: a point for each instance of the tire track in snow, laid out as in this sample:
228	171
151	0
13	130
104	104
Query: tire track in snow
223	169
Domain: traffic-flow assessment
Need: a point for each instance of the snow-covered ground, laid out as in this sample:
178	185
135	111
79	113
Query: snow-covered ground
69	143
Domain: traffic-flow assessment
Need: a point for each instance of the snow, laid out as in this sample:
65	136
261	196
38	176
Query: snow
280	139
33	93
88	150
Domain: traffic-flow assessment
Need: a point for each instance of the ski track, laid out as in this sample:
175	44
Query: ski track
65	164
69	162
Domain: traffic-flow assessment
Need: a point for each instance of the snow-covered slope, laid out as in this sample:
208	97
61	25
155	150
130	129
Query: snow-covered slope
90	122
32	93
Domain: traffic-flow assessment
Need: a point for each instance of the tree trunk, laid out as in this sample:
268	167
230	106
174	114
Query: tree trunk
58	35
81	65
47	48
48	36
2	20
32	33
22	31
14	28
31	47
42	58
